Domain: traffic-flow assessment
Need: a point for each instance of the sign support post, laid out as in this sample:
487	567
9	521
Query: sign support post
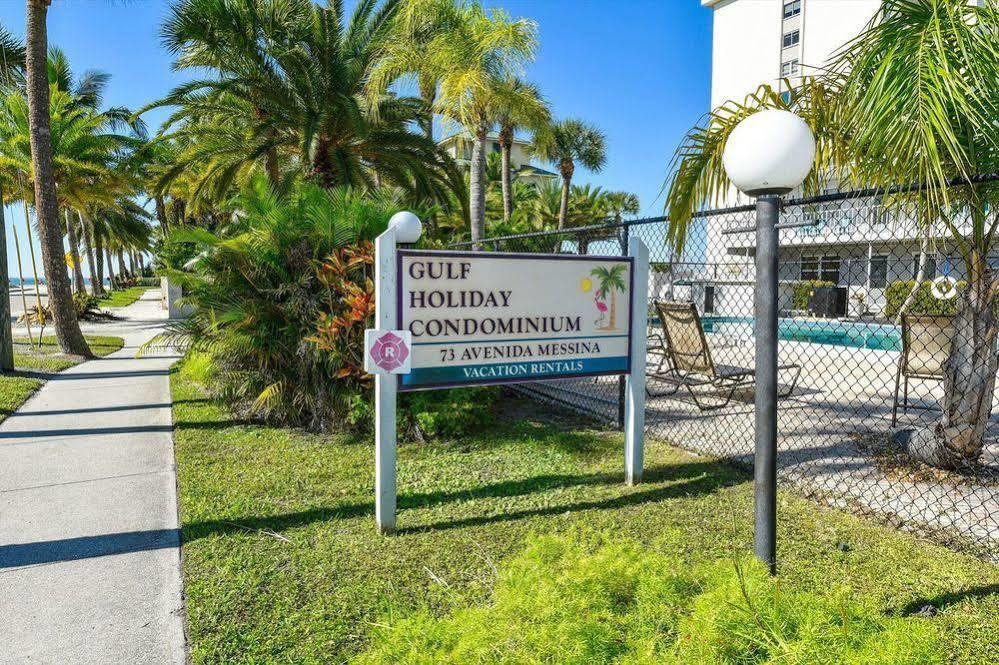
385	385
634	404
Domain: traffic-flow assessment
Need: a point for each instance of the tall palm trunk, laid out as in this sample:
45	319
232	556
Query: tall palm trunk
67	328
477	184
122	269
506	174
272	167
112	278
969	377
161	215
567	167
99	255
6	334
74	252
96	287
428	94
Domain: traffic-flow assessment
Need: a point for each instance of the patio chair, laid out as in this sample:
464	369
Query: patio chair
690	364
925	347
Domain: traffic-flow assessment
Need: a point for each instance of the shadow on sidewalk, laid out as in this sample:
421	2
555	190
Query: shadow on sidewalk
86	547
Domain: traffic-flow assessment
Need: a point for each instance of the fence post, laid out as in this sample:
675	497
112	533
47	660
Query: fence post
765	537
621	381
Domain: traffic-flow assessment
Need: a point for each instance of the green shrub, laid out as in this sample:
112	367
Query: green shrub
923	303
801	292
280	299
438	414
587	599
449	413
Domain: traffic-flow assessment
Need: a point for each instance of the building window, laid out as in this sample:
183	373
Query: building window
829	269
879	271
789	68
931	267
792	9
497	148
820	268
809	269
791	38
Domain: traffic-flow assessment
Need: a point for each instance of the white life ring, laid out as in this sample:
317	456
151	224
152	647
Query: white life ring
944	287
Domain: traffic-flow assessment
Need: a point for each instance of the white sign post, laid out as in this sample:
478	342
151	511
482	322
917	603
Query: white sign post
447	319
385	385
634	388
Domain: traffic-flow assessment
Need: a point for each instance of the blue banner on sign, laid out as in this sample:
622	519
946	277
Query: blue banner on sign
509	372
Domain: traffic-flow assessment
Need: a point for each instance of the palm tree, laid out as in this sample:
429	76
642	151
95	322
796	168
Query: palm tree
566	142
283	89
67	328
611	281
87	156
409	52
479	52
912	99
517	105
620	204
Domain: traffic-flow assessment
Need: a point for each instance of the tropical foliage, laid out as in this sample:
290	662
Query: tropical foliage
91	149
280	298
294	140
281	90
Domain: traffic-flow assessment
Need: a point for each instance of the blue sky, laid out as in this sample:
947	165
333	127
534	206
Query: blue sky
638	69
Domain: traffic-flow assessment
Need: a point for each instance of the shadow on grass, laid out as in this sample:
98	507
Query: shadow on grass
216	424
686	479
944	600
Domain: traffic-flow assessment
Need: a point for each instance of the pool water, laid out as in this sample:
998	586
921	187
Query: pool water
836	333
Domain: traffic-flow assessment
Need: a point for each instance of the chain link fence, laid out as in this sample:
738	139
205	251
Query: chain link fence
868	297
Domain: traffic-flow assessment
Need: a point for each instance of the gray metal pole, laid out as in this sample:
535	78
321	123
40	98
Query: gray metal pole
765	537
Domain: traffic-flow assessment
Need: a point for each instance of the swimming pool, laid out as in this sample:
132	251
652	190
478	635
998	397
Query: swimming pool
836	333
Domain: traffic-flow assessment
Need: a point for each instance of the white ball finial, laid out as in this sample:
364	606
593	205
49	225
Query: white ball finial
770	152
408	227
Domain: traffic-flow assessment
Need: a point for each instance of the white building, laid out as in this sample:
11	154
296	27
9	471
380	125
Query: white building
852	244
459	147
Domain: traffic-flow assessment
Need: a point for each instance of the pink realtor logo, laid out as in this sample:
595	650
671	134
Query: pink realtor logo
387	351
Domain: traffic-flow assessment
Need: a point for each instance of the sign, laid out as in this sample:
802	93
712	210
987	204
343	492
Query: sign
481	318
387	351
470	318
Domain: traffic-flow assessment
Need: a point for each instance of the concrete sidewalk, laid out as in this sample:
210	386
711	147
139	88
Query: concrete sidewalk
89	539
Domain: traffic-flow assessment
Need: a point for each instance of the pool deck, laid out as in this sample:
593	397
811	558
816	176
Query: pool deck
843	393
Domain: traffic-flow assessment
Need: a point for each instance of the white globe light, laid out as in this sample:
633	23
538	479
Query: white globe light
770	152
408	227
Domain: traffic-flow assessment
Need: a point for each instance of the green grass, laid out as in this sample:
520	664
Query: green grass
16	388
123	297
282	562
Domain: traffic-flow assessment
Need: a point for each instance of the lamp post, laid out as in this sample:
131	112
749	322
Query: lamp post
766	156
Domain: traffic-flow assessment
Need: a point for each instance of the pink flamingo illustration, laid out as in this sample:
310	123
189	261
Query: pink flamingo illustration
601	307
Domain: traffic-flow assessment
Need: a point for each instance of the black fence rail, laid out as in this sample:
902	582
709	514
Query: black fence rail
868	296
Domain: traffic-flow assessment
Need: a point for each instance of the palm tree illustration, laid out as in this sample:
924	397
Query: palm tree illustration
611	281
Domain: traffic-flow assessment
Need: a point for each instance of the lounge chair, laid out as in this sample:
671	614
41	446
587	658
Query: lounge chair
689	363
925	347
